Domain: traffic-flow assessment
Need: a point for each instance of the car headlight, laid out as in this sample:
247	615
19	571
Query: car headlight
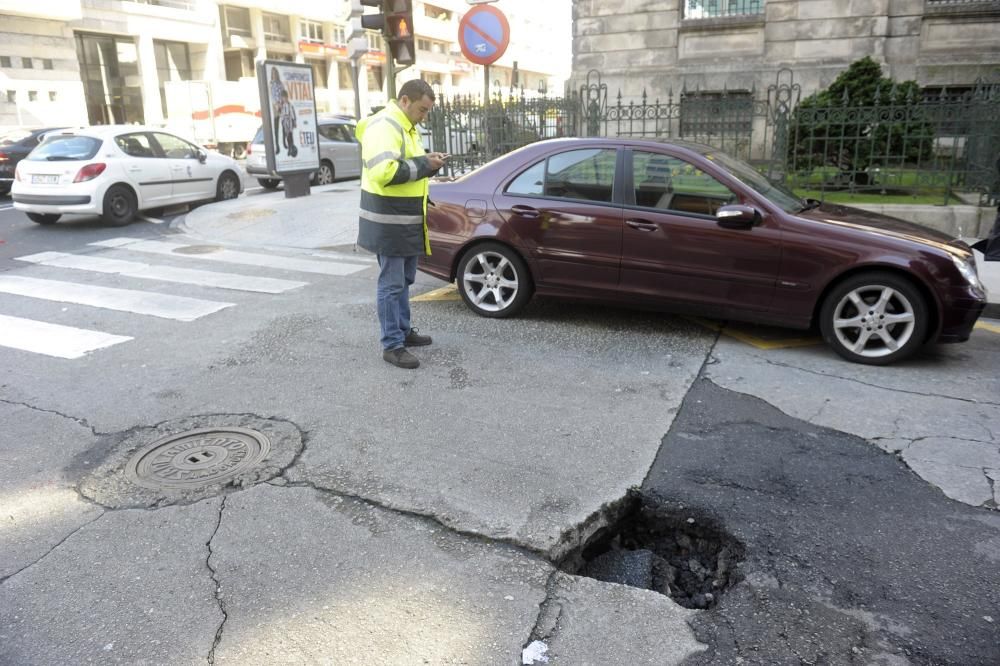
967	268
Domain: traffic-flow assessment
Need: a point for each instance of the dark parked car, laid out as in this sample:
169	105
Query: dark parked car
683	227
14	146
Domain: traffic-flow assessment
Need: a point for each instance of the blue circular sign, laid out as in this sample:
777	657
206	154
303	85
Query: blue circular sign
484	34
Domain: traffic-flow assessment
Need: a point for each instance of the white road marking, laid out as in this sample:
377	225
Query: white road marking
53	339
2	208
137	269
180	308
236	257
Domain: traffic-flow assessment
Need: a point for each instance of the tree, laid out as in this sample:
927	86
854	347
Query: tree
862	119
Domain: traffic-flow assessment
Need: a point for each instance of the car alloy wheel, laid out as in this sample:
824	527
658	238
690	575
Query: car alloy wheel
228	188
494	281
119	206
874	318
325	174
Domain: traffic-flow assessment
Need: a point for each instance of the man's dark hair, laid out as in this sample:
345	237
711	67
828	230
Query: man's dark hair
415	90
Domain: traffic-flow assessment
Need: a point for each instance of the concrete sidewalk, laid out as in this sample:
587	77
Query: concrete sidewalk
328	220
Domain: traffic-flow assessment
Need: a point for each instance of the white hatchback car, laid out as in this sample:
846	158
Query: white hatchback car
115	171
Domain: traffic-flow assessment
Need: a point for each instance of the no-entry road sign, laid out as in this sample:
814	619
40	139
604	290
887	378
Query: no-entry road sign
483	34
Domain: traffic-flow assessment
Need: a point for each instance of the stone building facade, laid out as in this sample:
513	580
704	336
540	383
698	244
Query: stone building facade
666	46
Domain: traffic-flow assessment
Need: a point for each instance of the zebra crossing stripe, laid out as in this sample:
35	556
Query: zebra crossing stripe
180	308
236	257
53	339
163	273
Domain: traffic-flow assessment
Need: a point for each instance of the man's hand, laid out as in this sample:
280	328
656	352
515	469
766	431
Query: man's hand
436	160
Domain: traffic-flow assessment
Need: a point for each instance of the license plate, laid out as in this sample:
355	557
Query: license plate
45	180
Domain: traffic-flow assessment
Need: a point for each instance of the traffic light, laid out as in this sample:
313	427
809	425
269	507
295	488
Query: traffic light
373	21
399	30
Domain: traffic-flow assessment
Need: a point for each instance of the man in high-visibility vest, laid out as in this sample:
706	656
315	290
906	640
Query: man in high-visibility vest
394	184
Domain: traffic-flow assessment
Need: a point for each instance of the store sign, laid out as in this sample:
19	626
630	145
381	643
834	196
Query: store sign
288	110
315	48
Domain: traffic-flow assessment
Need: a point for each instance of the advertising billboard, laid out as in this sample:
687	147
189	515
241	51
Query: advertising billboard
288	112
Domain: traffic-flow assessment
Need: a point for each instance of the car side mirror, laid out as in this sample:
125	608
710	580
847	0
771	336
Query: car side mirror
737	216
202	156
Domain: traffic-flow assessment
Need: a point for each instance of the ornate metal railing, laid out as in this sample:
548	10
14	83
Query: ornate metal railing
942	142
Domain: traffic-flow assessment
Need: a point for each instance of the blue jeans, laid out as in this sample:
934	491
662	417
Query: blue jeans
395	276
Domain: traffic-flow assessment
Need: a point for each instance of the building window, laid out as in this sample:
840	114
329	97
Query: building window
109	68
338	36
345	77
702	9
173	63
374	40
52	95
27	64
437	13
424	44
275	28
376	81
237	21
4	61
284	57
319	72
311	31
11	97
47	63
32	95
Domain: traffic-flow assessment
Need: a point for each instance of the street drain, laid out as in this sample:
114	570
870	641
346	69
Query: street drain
197	458
671	552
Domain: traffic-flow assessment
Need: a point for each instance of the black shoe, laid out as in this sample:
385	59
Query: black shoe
414	339
401	358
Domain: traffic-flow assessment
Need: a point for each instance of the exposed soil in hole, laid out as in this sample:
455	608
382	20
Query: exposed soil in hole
673	552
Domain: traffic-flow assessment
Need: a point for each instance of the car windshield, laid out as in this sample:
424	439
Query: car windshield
66	147
746	174
16	136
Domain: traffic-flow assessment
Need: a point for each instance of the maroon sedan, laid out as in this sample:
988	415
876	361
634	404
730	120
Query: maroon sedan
685	228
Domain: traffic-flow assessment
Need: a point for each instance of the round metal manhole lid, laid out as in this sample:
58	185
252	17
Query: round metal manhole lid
197	458
197	249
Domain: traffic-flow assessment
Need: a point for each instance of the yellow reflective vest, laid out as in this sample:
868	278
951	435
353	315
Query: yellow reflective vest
393	185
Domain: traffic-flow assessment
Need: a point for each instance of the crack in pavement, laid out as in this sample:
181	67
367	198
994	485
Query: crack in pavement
4	579
877	386
77	420
218	584
545	613
410	513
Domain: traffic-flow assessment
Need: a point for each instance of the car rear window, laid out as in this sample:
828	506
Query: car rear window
66	147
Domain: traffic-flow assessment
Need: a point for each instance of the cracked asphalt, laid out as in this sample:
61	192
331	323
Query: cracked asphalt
418	516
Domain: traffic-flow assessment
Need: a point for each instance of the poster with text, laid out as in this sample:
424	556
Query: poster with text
288	112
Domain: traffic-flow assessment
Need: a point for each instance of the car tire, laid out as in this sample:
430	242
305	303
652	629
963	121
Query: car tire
875	318
269	183
325	175
120	206
494	281
44	218
228	187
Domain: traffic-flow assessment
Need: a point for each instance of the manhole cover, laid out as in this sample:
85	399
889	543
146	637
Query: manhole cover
197	458
197	249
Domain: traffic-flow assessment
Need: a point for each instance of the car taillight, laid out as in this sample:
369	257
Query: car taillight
90	172
4	157
249	148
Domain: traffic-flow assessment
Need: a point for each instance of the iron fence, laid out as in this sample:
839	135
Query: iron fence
936	143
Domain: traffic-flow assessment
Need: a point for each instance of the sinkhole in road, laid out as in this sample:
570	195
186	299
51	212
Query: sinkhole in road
668	550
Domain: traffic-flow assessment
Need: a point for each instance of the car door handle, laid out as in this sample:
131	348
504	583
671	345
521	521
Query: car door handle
641	225
525	211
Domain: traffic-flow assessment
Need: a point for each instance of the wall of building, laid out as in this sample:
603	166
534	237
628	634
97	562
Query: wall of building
649	45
